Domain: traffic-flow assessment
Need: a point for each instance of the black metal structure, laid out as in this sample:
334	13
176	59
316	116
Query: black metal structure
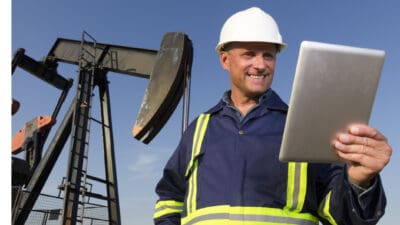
94	61
167	84
75	184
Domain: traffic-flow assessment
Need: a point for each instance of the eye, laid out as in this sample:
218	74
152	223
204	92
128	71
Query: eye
249	54
268	56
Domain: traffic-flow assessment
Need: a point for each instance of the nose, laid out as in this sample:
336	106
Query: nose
259	63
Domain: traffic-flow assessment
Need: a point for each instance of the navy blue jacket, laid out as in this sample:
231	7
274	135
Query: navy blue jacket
238	167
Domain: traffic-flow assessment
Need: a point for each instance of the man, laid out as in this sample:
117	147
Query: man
226	168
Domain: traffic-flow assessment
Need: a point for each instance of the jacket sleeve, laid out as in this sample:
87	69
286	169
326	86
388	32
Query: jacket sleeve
171	188
341	205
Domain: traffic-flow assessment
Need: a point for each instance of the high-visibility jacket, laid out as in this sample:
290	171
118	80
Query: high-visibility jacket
227	171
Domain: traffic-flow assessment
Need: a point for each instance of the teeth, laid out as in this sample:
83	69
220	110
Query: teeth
257	76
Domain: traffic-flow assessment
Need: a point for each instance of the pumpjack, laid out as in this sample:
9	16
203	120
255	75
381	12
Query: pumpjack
168	71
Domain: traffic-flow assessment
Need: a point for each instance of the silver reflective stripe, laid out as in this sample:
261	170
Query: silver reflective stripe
296	186
251	218
296	190
297	178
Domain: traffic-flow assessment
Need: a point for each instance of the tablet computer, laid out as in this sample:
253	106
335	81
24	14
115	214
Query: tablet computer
334	86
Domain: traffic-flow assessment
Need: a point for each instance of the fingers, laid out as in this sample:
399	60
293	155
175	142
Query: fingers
365	150
364	161
362	130
355	144
364	137
359	151
363	145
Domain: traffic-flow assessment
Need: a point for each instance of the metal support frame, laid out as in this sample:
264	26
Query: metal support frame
72	185
24	199
76	171
93	70
25	202
186	95
76	124
79	144
109	156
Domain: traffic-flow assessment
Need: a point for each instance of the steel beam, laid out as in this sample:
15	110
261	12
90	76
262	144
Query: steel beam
109	156
119	59
79	137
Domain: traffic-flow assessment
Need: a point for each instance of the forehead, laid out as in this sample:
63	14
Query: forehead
252	46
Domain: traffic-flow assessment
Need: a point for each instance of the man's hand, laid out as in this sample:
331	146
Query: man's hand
365	150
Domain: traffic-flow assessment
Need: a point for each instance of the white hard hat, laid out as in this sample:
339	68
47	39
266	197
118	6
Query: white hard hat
250	25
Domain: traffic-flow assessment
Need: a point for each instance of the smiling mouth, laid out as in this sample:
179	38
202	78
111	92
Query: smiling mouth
259	77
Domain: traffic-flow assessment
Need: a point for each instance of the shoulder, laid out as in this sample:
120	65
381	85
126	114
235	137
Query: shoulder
275	102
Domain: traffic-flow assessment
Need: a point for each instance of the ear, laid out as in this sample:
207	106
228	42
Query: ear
224	60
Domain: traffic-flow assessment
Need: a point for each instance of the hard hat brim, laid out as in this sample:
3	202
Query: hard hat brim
220	47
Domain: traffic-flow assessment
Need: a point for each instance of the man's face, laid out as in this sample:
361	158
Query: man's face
251	67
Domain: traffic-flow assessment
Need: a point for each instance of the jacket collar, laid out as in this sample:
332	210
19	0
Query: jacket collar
270	100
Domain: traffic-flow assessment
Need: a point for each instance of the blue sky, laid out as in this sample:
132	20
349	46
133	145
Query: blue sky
35	25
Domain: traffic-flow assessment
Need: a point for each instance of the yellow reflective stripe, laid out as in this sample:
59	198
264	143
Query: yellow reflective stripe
303	186
296	186
201	126
225	214
218	215
198	136
192	203
323	210
290	185
167	207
